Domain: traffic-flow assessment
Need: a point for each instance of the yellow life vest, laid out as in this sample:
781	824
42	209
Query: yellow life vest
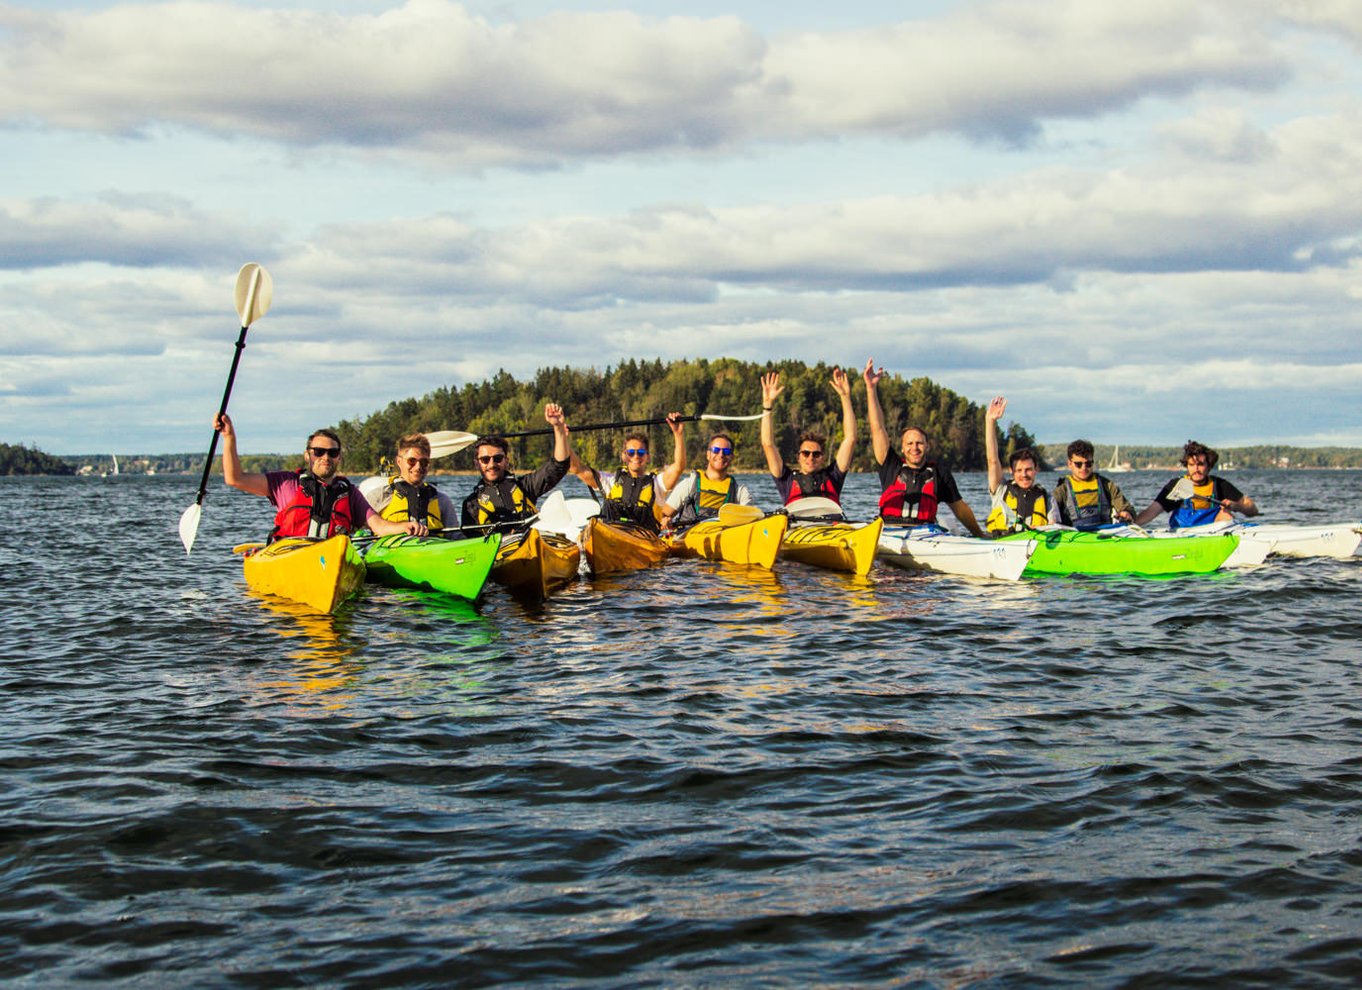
399	507
1029	506
711	495
513	504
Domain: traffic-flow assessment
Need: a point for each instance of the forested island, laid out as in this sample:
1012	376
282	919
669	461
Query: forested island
18	459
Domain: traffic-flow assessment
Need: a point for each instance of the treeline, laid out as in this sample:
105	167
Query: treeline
18	459
637	390
1260	456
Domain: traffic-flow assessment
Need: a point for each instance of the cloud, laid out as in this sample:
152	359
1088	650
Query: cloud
432	80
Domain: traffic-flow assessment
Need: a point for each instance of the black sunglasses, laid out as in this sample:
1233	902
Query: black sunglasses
491	458
325	451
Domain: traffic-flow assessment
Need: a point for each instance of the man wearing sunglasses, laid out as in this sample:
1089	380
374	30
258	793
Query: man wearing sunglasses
912	487
407	495
635	494
315	501
700	494
502	501
1085	499
813	475
1203	497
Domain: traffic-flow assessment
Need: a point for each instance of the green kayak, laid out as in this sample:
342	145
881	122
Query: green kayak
455	567
1067	551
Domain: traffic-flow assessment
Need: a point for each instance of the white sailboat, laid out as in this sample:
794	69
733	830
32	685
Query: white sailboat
115	460
1117	466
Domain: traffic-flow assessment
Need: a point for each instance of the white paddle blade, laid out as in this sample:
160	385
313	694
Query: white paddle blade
189	526
446	442
555	517
254	293
733	514
1184	489
814	507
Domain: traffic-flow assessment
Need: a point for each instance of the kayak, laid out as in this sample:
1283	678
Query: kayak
318	573
743	540
1067	551
534	563
1339	540
455	567
835	546
930	548
613	547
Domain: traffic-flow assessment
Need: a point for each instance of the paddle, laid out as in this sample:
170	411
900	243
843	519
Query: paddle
254	293
446	442
815	508
733	514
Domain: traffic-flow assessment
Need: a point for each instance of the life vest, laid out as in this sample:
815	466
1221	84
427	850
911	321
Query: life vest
1084	505
410	501
631	499
316	510
706	498
500	503
912	498
811	483
1030	506
1200	509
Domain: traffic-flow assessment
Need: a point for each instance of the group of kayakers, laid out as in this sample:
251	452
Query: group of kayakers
318	501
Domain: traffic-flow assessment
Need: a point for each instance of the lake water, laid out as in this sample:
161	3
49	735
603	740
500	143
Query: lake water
697	776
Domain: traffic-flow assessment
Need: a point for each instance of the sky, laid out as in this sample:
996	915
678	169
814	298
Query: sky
1140	223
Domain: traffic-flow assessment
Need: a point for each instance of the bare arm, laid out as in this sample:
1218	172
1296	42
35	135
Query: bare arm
879	439
562	445
1149	514
671	474
965	514
992	414
770	391
254	482
847	449
1245	506
584	473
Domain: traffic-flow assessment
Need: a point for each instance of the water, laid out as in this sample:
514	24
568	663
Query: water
698	776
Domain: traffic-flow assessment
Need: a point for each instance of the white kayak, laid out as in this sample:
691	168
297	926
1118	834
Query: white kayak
930	548
1340	540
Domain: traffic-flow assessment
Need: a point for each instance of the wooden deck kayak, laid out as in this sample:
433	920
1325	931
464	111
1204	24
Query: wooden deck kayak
756	540
320	574
457	567
835	546
612	548
533	563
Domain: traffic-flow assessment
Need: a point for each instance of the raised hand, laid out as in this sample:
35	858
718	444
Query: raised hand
996	408
840	385
676	425
770	388
553	415
871	376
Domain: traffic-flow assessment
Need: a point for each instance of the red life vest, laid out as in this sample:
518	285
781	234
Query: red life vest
812	483
920	500
315	510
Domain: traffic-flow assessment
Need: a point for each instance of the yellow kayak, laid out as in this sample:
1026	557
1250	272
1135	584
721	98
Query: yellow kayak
318	573
614	547
741	535
835	546
534	563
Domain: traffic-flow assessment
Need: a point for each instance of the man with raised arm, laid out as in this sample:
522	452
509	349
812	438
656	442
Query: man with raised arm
1085	499
911	486
315	501
700	494
502	501
1021	503
636	494
813	475
1207	498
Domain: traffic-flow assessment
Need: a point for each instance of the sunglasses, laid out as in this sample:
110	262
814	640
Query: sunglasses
635	451
810	453
414	461
722	451
491	458
325	451
1082	464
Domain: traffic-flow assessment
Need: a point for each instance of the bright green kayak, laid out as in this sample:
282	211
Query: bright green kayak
455	567
1069	552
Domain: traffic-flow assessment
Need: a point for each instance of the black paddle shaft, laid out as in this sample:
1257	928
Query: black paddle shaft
226	394
598	426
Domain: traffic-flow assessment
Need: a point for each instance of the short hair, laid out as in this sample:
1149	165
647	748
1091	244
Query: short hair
637	438
1024	454
914	429
417	441
497	442
1193	449
720	436
1080	448
329	434
813	437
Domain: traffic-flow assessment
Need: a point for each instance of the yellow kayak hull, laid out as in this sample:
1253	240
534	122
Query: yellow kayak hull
834	546
533	563
320	574
612	548
756	542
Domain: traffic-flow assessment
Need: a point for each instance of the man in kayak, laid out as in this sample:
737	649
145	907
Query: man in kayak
813	476
1021	503
699	495
315	501
407	494
1207	498
1085	499
635	494
911	486
502	501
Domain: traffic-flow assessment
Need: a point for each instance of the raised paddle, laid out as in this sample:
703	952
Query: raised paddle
254	293
446	442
